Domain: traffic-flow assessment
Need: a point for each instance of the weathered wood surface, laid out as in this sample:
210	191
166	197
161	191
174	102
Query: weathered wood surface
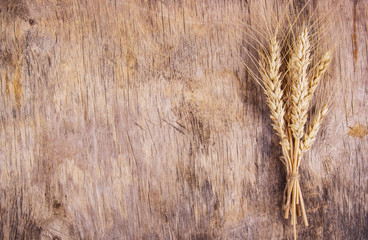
137	120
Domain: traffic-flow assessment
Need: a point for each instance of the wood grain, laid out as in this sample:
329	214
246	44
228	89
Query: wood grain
138	120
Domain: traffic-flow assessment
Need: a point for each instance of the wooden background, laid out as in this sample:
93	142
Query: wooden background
137	120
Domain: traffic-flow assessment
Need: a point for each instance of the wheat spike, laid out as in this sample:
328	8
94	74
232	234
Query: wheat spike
318	73
271	80
298	65
310	136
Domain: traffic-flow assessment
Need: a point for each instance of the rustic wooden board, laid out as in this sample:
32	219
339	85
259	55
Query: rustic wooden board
137	120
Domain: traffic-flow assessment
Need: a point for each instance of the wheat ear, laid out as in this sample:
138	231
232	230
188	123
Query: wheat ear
271	80
310	136
298	66
318	74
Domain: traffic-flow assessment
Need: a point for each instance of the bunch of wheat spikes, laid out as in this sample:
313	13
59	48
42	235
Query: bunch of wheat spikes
289	94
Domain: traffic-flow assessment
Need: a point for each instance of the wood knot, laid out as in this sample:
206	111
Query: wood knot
56	204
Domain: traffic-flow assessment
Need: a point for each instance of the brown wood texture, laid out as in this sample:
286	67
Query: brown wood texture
137	120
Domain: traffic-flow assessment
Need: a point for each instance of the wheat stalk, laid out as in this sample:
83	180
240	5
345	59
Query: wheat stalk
289	110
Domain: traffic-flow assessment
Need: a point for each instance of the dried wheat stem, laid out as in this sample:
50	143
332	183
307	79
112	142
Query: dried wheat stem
294	209
302	207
